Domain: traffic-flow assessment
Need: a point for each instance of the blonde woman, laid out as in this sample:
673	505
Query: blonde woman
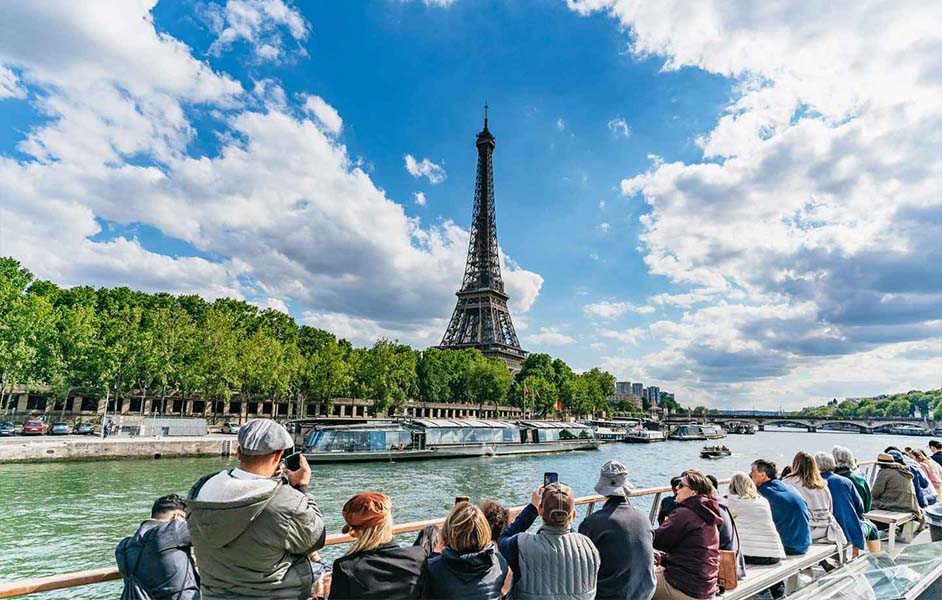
470	567
758	537
374	566
807	481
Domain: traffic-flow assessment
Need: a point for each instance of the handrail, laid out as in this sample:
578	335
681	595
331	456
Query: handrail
22	587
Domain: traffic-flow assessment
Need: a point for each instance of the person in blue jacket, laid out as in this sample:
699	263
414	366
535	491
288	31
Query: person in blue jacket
846	504
789	510
935	447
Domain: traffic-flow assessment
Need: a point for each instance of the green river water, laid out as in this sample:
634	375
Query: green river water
62	517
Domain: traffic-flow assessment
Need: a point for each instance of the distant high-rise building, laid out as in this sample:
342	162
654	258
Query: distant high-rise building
623	387
637	389
653	394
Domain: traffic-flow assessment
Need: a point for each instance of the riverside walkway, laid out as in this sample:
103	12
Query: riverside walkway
757	577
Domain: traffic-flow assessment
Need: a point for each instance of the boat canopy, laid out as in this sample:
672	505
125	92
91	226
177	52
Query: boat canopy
472	423
554	425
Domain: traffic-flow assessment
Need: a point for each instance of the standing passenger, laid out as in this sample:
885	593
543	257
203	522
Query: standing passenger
789	509
470	567
374	566
156	559
252	530
554	562
623	537
690	541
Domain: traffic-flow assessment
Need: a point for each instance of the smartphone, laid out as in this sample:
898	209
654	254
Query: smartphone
460	499
549	478
293	461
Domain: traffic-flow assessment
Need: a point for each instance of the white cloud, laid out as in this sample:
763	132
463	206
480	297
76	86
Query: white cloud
425	168
325	113
609	310
810	232
287	217
10	85
549	337
262	24
618	126
604	227
561	124
629	336
419	198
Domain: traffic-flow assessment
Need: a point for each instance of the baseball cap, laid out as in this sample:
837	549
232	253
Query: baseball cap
557	504
260	437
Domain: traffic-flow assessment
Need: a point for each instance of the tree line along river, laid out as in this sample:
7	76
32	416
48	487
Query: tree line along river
62	517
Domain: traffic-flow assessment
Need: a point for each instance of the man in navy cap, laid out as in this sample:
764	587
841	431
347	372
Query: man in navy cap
252	527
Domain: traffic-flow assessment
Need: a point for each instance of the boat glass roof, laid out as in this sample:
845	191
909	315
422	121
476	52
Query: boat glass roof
473	423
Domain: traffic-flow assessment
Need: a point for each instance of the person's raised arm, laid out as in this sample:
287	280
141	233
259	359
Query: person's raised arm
508	538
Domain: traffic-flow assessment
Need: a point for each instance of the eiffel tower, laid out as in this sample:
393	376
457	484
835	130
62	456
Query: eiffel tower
481	319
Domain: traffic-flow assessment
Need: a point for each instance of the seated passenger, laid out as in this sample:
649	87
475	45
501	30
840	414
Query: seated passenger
920	483
470	567
690	542
555	561
760	542
374	566
156	560
813	488
930	470
498	518
846	466
846	503
430	538
729	538
789	509
893	489
669	502
622	534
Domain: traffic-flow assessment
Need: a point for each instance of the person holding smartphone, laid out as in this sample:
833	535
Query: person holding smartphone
254	526
555	561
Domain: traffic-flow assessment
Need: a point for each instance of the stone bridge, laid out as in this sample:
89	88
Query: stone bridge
862	424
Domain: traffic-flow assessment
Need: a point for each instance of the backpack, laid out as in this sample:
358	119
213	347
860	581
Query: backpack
133	588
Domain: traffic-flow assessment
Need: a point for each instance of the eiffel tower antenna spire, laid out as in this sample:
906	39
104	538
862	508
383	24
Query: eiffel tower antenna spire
481	318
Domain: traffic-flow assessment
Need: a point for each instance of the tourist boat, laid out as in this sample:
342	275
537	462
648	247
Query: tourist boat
609	431
714	452
907	430
640	435
693	431
741	428
422	439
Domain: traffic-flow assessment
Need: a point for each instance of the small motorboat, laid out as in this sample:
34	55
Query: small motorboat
714	452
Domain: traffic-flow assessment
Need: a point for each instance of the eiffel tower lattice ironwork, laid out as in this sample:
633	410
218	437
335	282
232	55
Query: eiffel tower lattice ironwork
481	319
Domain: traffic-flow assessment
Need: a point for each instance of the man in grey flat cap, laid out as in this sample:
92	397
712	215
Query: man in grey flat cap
253	527
623	537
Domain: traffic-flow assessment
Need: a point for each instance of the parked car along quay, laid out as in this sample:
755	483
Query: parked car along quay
34	427
7	428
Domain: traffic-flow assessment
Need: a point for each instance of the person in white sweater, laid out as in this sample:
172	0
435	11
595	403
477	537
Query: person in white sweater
806	478
760	541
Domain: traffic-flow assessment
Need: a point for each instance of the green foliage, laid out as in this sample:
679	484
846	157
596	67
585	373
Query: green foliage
928	403
108	342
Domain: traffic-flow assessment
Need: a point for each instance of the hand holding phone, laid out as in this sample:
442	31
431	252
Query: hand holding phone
293	461
550	477
302	474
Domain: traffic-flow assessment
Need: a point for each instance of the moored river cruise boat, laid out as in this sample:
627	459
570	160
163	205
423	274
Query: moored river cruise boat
693	431
423	439
641	435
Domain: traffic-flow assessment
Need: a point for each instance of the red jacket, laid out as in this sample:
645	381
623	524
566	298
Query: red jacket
691	539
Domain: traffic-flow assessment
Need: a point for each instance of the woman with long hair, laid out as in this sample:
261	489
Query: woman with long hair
470	567
929	468
758	537
374	566
807	481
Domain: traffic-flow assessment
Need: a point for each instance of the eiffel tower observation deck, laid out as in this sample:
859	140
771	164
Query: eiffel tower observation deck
481	319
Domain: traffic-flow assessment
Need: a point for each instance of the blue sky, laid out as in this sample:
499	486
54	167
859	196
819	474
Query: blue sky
700	207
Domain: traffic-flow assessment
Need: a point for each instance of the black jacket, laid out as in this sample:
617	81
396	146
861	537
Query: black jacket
474	576
625	542
158	556
389	572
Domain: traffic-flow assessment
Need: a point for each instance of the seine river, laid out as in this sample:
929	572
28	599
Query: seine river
61	517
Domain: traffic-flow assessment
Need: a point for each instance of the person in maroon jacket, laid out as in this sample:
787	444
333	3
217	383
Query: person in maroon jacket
690	541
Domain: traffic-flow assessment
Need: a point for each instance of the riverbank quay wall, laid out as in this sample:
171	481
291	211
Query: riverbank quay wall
19	450
24	405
